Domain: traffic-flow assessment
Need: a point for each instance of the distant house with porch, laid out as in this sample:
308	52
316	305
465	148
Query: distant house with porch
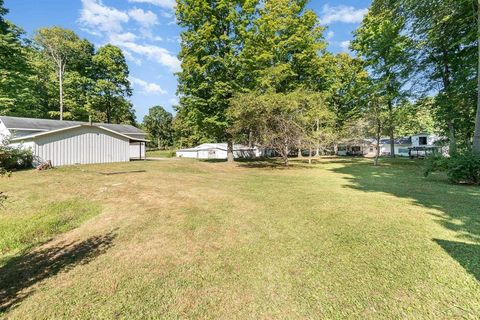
355	147
418	145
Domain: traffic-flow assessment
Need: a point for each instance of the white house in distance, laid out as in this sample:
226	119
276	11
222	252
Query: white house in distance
416	145
218	151
72	142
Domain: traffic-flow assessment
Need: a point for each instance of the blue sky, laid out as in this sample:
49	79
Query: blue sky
147	33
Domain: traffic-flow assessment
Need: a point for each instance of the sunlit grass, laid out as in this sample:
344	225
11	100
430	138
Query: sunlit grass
338	239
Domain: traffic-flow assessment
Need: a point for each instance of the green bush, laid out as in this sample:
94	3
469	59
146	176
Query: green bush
461	168
14	158
435	163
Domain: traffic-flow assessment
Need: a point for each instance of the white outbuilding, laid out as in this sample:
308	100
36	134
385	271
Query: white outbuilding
73	142
217	151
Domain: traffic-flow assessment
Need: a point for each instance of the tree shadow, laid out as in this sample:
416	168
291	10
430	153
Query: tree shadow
467	254
277	163
20	275
455	207
459	206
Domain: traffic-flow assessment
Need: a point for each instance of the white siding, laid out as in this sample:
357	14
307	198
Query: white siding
85	145
137	150
214	153
187	154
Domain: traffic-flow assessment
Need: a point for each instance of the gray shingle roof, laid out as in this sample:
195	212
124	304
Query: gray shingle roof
16	123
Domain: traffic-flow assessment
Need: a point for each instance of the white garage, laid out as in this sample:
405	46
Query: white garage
217	151
71	142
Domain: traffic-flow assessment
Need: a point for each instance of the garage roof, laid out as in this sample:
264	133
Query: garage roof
46	125
219	146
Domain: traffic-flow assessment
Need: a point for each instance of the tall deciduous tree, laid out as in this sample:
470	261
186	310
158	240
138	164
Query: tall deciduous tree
158	124
380	41
346	84
112	87
212	40
446	41
16	96
476	136
282	51
61	46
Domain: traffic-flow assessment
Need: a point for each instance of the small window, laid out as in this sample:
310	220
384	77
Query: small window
356	149
422	141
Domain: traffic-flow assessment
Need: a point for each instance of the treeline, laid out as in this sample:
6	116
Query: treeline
58	75
425	50
241	60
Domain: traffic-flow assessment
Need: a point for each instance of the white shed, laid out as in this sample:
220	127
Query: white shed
216	151
72	142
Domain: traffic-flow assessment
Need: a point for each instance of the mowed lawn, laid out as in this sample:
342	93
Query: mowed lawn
186	239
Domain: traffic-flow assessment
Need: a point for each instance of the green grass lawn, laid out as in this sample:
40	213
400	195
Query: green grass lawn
340	239
161	154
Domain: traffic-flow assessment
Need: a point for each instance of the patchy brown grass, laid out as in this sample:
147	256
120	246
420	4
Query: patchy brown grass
188	239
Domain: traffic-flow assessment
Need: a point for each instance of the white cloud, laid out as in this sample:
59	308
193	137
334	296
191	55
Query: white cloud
146	19
330	35
96	17
158	54
342	13
174	101
345	45
166	4
109	23
147	87
123	37
129	56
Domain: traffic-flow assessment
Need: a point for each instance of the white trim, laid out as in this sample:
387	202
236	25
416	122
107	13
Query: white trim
45	133
120	134
75	127
25	129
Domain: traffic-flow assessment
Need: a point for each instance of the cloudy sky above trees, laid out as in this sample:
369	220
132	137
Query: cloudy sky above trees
147	32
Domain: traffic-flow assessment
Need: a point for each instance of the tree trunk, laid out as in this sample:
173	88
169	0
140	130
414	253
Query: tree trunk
230	157
109	111
392	143
453	140
391	129
285	154
377	152
60	89
476	135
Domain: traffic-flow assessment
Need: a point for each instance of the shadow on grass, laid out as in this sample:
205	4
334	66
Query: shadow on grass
460	205
456	208
20	274
468	255
277	163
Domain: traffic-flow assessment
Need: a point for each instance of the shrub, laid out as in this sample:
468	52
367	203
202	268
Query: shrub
435	163
14	158
461	168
